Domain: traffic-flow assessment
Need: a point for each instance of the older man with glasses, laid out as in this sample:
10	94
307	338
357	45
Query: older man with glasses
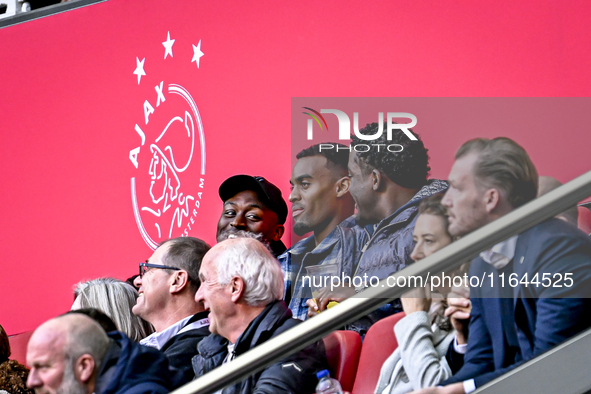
168	282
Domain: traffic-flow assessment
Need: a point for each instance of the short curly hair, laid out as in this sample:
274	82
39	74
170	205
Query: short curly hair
13	375
408	168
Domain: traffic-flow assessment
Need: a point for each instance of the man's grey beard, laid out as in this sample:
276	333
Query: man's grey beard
70	385
230	234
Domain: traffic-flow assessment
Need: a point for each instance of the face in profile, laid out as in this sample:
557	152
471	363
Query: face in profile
430	235
51	372
361	190
153	286
464	199
214	296
313	195
246	212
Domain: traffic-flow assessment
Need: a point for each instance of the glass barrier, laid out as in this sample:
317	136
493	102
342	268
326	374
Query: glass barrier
446	259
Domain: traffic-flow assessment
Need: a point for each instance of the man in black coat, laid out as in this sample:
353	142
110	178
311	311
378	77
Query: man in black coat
242	285
167	285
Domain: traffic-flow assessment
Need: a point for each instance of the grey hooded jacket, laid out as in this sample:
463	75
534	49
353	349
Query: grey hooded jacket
388	244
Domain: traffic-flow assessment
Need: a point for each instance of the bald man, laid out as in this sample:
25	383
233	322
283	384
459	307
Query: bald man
72	354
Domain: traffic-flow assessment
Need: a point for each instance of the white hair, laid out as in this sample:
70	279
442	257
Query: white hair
114	298
250	260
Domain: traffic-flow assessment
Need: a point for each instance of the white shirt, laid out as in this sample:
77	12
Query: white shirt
499	255
158	339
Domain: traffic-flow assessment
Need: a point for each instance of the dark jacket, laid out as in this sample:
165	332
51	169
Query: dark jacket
295	374
387	245
511	324
182	347
339	248
386	249
277	248
130	368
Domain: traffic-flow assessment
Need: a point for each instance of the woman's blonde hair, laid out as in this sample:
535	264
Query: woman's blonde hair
115	299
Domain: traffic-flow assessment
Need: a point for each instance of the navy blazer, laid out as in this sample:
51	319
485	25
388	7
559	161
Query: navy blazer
513	324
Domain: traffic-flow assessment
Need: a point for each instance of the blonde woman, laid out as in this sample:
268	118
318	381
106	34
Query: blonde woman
426	332
114	298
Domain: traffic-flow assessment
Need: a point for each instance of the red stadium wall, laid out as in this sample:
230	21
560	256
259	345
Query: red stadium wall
70	103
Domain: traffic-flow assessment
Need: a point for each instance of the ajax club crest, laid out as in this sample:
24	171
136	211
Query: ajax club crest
169	161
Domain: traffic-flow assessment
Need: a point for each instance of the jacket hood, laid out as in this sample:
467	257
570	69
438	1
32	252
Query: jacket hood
432	187
129	367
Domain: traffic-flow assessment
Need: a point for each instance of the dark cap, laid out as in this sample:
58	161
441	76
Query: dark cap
269	194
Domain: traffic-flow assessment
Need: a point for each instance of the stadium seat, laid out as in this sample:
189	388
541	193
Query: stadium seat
585	219
342	352
18	346
378	345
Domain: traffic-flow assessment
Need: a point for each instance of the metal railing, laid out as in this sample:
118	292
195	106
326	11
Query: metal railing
372	298
564	369
16	18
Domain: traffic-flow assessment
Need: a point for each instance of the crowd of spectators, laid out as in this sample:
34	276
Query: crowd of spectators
197	307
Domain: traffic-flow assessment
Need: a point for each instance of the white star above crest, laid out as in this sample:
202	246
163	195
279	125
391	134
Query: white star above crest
197	53
168	46
139	70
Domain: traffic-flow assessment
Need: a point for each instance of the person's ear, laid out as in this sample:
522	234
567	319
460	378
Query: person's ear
492	199
376	179
180	280
279	230
343	185
84	368
237	287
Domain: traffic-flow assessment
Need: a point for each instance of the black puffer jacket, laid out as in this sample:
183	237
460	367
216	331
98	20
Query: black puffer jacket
295	374
387	248
130	368
182	347
388	244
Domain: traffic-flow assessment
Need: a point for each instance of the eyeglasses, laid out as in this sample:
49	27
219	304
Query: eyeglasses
144	268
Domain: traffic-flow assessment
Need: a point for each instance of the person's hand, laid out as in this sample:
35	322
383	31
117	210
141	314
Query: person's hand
315	308
459	292
338	294
456	388
429	390
458	311
312	308
416	300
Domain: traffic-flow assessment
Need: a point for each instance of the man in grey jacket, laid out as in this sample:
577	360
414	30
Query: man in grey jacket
320	201
388	181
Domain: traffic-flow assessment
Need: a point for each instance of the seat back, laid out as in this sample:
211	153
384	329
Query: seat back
585	219
378	345
342	352
18	346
